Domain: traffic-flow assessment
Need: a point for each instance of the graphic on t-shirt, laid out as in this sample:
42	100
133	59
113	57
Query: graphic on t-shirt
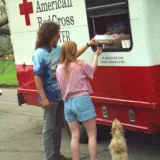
53	63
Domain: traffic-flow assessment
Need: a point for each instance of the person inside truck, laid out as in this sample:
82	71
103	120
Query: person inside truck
73	80
120	33
45	61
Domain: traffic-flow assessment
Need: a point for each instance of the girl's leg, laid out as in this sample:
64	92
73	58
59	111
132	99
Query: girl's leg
91	129
75	133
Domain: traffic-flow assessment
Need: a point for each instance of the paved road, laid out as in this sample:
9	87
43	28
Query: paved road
20	135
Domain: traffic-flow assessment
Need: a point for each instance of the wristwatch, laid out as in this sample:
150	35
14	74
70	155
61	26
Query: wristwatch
88	45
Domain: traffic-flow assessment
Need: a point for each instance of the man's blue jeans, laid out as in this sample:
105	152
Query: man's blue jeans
53	123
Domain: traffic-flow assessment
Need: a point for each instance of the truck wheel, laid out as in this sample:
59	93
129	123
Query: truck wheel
83	133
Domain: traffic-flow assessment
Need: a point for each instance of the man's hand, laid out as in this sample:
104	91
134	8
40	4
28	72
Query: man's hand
46	104
117	38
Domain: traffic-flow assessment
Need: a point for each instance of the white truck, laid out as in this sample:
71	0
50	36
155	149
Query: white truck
127	82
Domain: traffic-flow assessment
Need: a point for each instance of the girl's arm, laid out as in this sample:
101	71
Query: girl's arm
95	60
82	49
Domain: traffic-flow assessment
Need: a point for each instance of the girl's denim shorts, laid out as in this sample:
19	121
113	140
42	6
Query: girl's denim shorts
79	109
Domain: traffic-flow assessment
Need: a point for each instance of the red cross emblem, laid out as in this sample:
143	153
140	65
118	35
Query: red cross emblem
26	8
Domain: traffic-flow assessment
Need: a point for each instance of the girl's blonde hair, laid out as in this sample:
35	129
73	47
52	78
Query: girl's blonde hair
68	55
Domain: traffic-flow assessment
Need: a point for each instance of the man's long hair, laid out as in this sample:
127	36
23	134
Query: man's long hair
45	34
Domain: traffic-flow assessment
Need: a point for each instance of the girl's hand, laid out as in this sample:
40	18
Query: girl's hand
99	51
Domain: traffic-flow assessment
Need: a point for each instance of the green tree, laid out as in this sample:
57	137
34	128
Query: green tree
4	28
5	42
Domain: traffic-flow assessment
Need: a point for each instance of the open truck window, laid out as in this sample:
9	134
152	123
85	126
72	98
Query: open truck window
111	18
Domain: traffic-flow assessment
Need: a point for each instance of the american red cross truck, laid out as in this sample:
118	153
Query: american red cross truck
127	82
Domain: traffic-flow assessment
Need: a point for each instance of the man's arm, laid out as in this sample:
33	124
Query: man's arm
120	29
120	37
125	37
39	86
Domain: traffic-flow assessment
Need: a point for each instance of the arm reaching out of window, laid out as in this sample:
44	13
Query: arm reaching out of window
120	37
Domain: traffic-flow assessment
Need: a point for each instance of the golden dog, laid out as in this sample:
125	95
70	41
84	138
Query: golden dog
118	146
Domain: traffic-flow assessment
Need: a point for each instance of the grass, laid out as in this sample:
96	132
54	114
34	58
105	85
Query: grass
8	77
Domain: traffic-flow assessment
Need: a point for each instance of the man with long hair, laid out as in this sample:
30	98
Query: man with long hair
45	61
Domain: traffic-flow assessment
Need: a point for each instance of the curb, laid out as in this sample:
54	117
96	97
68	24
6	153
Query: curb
8	86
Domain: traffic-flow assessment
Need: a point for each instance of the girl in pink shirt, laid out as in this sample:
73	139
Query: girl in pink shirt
73	80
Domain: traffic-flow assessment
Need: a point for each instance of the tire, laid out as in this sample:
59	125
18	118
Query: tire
83	133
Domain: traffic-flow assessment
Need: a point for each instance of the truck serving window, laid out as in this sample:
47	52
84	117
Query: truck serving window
111	18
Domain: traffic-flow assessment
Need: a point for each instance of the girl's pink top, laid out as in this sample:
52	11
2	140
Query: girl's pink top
79	75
